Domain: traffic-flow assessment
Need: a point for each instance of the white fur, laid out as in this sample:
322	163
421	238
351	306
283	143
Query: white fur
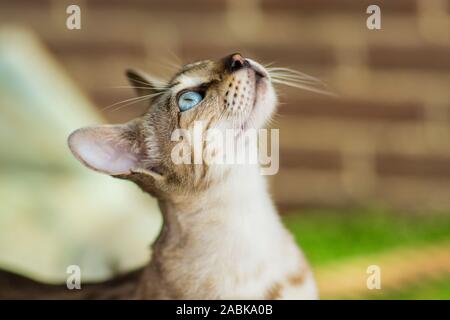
237	242
227	241
230	243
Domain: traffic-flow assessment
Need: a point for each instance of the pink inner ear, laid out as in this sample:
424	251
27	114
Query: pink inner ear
103	149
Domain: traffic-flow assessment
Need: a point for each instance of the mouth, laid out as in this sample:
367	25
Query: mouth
260	81
260	76
260	72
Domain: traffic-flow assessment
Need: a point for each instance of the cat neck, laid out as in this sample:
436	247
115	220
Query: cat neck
220	238
240	197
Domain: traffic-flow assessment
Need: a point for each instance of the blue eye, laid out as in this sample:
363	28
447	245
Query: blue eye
188	100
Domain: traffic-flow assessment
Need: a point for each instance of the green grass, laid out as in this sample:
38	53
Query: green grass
331	235
438	289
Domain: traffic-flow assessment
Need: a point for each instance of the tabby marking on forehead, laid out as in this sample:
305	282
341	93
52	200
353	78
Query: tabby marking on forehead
221	237
192	67
194	64
189	81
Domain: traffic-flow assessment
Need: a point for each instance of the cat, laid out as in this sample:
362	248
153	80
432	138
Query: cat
221	236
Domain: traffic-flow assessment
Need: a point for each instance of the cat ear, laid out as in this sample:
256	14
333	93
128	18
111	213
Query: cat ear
111	149
143	83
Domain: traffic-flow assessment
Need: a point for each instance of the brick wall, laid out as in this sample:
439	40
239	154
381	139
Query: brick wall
385	140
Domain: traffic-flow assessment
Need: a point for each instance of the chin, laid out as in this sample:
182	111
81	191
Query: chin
265	97
265	103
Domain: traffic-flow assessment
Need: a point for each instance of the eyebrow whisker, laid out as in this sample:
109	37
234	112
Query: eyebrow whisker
148	85
140	98
132	87
303	86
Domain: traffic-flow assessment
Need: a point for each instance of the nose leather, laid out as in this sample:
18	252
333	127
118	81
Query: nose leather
236	62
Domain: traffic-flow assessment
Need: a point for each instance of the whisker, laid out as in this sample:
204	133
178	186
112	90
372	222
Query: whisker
132	87
148	96
284	73
269	64
170	63
123	101
148	85
304	87
178	61
293	72
306	83
128	104
220	117
296	79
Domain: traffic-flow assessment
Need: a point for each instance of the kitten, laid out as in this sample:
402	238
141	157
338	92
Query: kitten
221	237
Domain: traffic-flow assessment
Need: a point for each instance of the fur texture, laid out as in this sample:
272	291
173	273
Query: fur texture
222	237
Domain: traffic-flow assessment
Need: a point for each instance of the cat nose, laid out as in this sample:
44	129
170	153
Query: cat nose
237	62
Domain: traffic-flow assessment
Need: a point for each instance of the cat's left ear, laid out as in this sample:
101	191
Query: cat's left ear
143	83
116	150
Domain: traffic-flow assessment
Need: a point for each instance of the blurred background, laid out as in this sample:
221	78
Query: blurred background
364	176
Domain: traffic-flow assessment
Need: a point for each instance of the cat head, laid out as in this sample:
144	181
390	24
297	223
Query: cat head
232	93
